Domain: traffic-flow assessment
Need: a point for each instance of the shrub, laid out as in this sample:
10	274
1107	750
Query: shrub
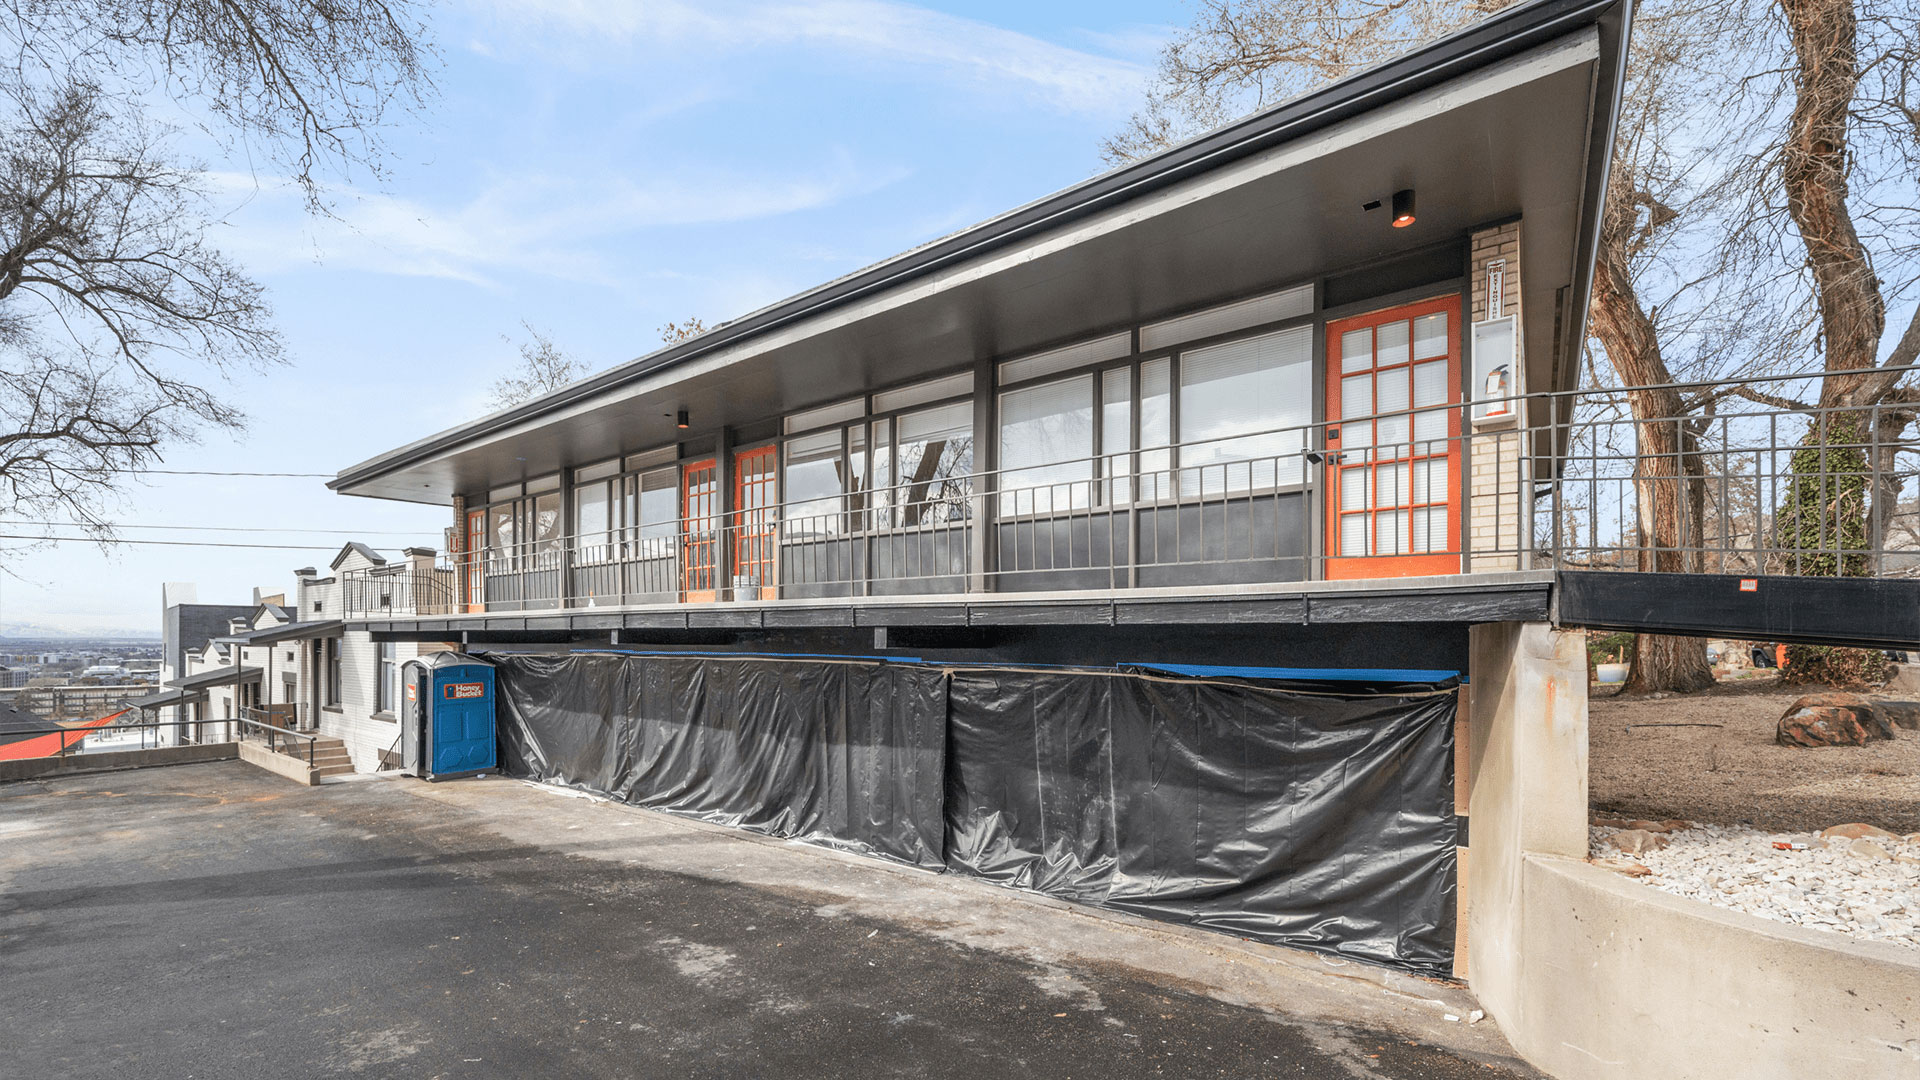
1843	669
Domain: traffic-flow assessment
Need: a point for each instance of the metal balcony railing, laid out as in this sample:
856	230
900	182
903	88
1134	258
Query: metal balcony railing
1726	484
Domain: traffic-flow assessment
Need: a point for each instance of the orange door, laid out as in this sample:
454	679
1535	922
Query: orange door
472	575
754	507
1393	472
699	532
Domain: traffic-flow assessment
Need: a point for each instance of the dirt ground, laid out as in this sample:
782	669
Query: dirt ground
1735	774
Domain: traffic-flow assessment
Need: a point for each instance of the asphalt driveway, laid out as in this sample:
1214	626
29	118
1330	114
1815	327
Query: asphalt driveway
215	921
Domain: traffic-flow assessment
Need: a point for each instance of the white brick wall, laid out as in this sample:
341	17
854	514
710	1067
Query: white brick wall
357	721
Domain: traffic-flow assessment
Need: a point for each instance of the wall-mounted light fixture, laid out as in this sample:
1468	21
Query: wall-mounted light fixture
680	421
1403	208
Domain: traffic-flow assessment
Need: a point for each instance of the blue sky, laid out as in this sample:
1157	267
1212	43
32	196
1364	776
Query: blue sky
596	168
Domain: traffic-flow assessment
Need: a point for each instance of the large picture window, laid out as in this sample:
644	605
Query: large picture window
1046	447
930	467
825	483
1244	411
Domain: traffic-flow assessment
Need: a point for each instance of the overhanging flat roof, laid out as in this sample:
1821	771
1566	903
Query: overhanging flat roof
164	698
1510	117
294	631
216	677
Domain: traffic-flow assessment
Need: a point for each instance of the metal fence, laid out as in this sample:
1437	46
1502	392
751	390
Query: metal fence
1724	483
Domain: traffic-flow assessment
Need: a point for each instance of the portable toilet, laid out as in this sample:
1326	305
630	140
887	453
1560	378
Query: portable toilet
447	727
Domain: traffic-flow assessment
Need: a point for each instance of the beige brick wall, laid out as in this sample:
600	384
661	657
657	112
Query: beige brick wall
1496	503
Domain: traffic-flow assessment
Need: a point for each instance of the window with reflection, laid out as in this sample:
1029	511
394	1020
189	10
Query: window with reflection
1046	447
932	464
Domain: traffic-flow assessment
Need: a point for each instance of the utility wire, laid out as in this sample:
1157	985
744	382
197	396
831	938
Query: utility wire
216	472
224	528
174	543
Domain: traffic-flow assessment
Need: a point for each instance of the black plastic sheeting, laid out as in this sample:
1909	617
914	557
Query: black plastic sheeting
846	754
1312	819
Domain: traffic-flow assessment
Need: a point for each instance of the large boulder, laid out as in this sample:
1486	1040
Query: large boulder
1831	720
1898	712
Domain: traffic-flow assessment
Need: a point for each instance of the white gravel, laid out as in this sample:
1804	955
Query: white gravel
1826	887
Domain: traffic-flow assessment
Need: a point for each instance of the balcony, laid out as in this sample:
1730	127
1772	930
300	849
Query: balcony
1460	493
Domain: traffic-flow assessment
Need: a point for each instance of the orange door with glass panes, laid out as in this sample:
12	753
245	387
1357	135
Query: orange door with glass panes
699	531
1393	442
754	505
471	572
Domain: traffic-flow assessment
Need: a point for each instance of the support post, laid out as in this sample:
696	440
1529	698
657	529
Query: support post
1527	791
980	546
723	516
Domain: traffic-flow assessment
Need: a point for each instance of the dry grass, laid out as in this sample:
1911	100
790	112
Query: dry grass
1735	774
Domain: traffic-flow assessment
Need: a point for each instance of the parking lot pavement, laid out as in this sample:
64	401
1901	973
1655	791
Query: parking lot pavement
215	921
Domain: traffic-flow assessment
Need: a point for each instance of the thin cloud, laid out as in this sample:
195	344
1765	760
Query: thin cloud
986	56
544	223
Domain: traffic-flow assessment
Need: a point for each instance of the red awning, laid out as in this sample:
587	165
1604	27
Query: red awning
53	742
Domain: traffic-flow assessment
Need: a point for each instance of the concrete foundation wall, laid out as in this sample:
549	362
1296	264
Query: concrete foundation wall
109	761
1528	792
1623	981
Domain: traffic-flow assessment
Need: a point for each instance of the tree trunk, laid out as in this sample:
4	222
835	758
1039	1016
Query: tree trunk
1853	313
1663	662
1669	479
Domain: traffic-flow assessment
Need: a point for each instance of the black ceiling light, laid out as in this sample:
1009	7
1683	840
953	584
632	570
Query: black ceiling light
1403	208
680	421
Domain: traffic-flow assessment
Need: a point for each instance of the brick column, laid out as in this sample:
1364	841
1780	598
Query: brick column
1497	501
457	551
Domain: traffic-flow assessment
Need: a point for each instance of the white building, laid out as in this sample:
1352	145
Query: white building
295	666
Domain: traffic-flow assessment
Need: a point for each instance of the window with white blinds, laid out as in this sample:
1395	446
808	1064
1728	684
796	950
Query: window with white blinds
815	481
1244	408
1046	446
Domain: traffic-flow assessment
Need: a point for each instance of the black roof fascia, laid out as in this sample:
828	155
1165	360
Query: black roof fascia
1498	37
293	631
163	699
216	677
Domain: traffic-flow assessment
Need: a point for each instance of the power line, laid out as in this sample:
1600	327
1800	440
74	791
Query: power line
216	472
173	543
223	528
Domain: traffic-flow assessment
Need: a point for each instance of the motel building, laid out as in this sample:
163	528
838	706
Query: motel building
1171	543
1138	545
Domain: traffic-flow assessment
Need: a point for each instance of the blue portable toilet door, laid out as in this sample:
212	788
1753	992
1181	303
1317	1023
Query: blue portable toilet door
463	719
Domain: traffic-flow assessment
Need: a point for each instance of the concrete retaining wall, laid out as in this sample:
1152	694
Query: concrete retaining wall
295	769
1623	981
33	768
1592	976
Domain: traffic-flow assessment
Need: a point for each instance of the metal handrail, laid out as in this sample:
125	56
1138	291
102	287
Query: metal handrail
274	731
1574	490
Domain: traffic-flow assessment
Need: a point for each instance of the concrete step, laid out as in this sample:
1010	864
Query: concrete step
322	771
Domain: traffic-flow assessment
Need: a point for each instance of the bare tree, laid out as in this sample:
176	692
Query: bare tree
308	85
118	319
674	333
1833	208
543	368
1661	193
1242	55
106	286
